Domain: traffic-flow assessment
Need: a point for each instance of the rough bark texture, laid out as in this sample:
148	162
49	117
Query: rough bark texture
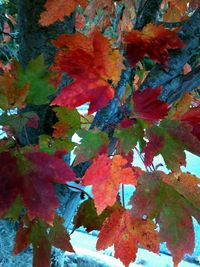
174	83
147	13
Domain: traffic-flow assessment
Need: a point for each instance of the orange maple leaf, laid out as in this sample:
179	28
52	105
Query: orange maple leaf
10	95
92	63
125	232
105	175
58	9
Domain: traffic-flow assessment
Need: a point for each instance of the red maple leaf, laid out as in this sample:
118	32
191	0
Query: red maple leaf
153	41
192	117
124	231
24	175
105	175
152	148
92	63
148	106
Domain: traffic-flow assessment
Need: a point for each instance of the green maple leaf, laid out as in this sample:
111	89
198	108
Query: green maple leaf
87	215
51	145
92	144
36	75
68	122
171	200
128	137
177	137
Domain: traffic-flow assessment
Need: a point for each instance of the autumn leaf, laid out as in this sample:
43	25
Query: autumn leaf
37	77
176	10
153	41
124	231
58	9
176	199
68	122
182	106
87	217
192	117
85	151
58	235
128	137
17	122
173	139
80	21
152	148
24	175
50	144
92	63
148	106
105	175
42	237
12	96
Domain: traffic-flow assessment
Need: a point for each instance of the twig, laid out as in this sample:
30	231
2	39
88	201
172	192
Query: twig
79	189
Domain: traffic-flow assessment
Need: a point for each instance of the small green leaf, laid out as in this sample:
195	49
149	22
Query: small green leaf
68	122
92	143
51	145
36	75
129	137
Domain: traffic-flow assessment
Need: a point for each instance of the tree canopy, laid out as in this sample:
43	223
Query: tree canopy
135	66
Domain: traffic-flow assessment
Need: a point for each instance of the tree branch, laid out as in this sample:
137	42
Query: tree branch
149	13
190	34
183	83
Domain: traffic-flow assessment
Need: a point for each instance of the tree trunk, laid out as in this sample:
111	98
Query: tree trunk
33	41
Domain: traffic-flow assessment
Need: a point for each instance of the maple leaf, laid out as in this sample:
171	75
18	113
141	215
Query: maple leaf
176	199
192	117
92	63
80	21
42	237
85	151
148	106
152	148
129	136
10	95
58	9
87	215
176	10
17	122
173	139
25	176
36	75
68	122
182	106
153	41
50	144
124	231
105	175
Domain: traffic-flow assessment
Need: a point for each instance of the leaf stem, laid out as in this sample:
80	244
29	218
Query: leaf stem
79	189
123	196
142	159
85	119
